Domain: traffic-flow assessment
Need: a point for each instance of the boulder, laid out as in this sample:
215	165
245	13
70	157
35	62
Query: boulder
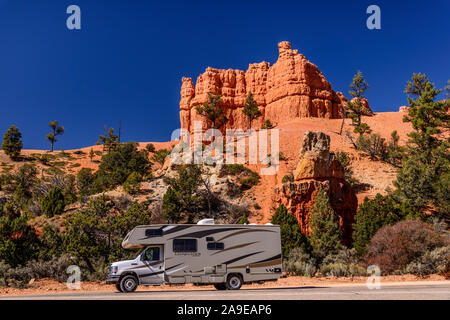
316	162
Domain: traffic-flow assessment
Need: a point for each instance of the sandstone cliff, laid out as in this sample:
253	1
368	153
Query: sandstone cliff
292	88
318	169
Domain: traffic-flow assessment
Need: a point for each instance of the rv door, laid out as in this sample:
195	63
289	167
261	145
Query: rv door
152	269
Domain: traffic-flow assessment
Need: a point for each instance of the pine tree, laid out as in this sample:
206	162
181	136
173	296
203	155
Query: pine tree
427	116
355	109
211	110
423	179
324	223
251	109
12	143
372	215
109	140
91	154
56	131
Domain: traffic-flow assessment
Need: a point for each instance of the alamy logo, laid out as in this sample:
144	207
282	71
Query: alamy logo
74	280
73	22
373	282
374	20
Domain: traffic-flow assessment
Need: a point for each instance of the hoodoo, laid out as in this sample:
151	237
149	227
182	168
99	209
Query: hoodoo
291	88
317	168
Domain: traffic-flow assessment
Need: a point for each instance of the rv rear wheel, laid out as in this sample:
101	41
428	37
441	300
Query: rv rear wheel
234	282
128	283
220	286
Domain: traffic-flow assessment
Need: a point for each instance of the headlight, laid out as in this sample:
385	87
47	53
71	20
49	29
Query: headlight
115	269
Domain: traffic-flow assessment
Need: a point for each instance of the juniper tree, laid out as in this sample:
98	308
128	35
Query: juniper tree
56	131
251	109
12	143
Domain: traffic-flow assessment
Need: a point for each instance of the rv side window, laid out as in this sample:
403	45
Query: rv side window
153	232
215	246
184	245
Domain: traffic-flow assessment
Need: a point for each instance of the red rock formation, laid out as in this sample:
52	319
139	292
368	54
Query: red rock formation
364	105
293	87
318	169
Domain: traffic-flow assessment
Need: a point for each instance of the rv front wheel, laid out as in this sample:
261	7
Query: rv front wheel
118	287
234	282
128	283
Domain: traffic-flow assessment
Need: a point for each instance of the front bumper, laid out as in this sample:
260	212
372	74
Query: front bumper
112	279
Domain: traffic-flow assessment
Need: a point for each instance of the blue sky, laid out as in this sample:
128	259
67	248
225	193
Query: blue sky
128	59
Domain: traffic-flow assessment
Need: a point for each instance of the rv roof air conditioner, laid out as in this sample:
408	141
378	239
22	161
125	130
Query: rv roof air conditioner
206	221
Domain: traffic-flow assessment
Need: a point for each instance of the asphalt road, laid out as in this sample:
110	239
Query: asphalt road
439	291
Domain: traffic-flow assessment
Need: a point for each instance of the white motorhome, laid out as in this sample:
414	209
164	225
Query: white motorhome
205	253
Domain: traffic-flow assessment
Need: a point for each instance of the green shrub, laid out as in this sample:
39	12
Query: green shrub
150	147
117	165
256	206
160	156
133	183
430	262
53	203
233	169
18	240
343	256
372	144
243	219
267	125
281	156
171	206
288	178
342	270
299	263
85	182
249	181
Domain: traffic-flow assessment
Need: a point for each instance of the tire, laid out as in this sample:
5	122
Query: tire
118	287
128	283
234	281
220	286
